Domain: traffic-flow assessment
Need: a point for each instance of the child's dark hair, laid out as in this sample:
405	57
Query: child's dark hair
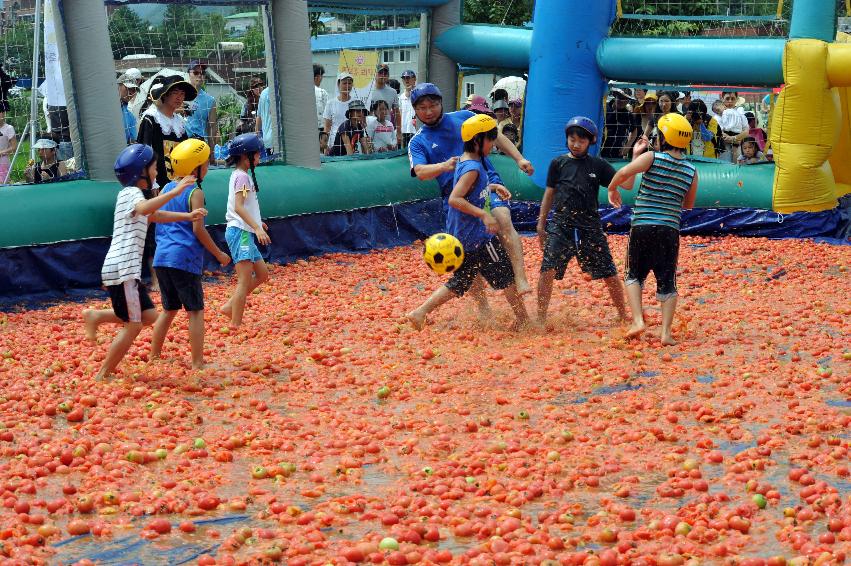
665	146
752	140
477	143
376	103
577	131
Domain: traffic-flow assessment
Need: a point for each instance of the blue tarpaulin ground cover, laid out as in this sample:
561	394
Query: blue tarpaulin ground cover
65	270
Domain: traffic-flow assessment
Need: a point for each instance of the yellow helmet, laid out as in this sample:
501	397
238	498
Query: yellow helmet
676	129
188	155
478	124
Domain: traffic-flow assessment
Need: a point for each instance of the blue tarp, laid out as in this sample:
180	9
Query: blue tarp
53	271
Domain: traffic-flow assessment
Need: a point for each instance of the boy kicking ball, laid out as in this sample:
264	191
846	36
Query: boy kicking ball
470	220
136	169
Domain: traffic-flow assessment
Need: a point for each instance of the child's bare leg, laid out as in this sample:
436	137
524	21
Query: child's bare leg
669	305
161	327
477	292
545	293
118	349
615	287
93	318
417	317
517	305
511	241
244	285
196	338
155	282
261	275
633	294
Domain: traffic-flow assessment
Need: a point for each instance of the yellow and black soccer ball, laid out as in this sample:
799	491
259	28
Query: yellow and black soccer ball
443	253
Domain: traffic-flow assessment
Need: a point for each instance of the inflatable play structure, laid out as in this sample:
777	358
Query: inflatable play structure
54	237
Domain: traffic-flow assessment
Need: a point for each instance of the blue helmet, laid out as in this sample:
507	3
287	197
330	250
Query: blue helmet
425	89
131	163
584	123
245	144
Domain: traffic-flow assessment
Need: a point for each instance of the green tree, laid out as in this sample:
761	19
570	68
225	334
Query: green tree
128	33
210	30
508	12
178	31
18	49
255	42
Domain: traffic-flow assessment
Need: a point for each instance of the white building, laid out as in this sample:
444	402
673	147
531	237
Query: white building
333	25
237	24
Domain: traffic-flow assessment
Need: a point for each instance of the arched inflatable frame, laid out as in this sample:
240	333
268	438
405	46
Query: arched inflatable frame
54	236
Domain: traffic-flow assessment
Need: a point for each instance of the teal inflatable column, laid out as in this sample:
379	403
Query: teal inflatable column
564	79
813	19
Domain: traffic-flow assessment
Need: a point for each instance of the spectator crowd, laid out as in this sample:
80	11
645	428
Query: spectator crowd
166	109
724	130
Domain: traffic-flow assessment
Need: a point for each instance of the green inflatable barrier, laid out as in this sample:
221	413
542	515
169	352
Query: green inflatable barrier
76	210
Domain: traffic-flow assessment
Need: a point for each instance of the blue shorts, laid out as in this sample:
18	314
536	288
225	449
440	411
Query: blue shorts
242	244
496	202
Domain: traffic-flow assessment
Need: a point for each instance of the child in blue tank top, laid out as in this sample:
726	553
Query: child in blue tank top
470	220
179	259
668	185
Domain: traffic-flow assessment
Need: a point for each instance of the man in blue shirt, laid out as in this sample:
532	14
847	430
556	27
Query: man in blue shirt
434	153
127	89
201	119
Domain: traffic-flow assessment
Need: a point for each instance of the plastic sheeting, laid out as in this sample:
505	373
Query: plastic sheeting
68	265
44	272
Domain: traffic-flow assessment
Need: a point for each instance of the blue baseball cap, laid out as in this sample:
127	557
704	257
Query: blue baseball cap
408	73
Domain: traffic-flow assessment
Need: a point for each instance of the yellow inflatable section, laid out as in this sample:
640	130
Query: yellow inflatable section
811	127
840	159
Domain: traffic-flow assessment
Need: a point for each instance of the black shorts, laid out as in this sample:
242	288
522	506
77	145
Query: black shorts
491	261
150	245
656	249
129	300
179	288
589	245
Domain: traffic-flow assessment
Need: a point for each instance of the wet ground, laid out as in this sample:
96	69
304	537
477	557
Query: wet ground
326	424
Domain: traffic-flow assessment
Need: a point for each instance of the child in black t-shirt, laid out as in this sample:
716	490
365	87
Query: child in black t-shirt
351	136
573	184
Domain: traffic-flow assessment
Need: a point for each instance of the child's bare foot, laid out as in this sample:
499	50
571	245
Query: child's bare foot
635	330
523	287
668	340
226	309
90	325
416	320
485	314
101	376
521	324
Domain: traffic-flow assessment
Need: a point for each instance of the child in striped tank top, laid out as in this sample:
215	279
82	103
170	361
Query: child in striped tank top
668	185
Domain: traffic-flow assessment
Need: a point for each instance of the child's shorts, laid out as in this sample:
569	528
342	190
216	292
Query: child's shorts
242	244
129	300
491	261
180	289
589	246
653	248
